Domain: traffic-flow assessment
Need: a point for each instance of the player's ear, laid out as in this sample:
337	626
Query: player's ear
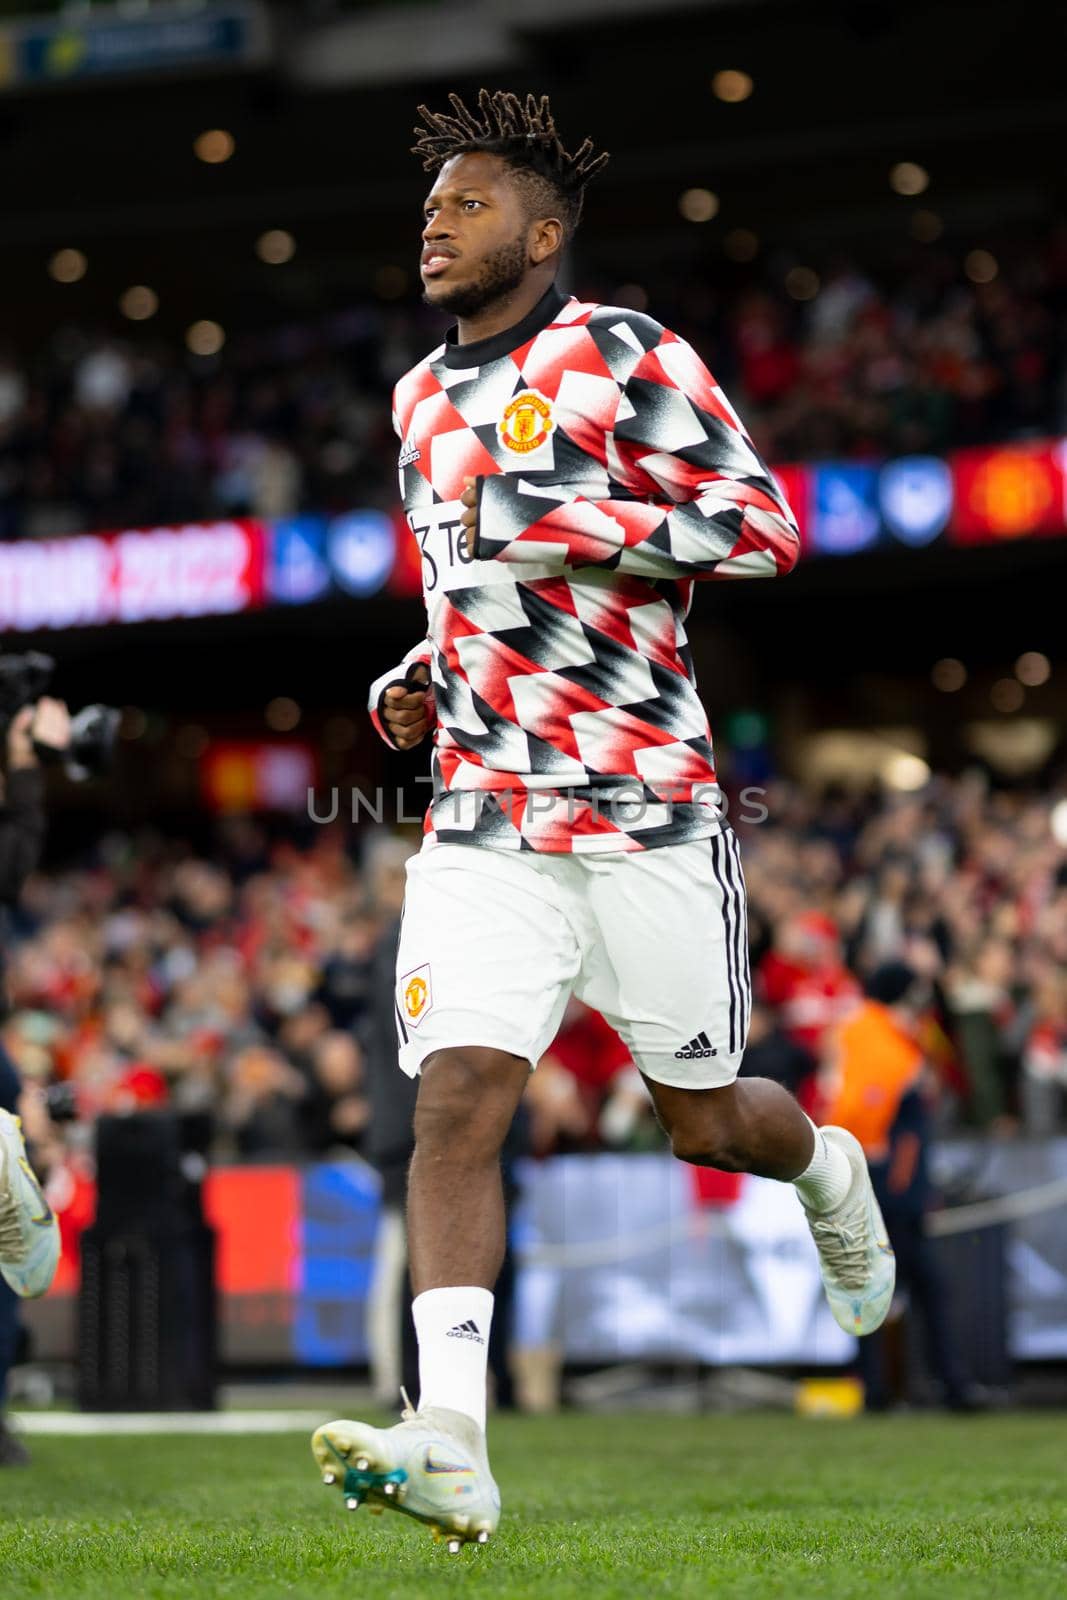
546	238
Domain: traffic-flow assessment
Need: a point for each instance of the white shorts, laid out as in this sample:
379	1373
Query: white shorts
494	942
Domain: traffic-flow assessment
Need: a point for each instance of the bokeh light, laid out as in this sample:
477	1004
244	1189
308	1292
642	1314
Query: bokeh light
905	771
801	283
907	177
698	205
1007	695
1033	669
214	146
67	266
275	247
139	302
980	266
205	338
948	675
732	86
282	714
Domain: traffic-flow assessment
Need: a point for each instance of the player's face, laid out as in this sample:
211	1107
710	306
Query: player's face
475	239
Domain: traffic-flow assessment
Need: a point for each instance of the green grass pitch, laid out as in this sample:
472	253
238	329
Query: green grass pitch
746	1506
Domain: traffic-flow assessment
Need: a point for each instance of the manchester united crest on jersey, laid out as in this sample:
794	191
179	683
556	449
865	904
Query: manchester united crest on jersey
526	423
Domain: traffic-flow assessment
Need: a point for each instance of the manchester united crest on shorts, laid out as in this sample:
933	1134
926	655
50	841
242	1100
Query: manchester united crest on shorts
526	423
416	995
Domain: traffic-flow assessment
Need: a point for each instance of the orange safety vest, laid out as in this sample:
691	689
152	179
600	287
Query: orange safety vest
873	1062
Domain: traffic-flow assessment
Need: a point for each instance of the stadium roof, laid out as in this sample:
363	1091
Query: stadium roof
840	94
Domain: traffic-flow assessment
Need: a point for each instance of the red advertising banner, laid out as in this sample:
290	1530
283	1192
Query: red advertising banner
152	575
1013	492
265	775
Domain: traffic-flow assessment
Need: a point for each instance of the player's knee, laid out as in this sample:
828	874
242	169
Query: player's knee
708	1149
465	1104
715	1138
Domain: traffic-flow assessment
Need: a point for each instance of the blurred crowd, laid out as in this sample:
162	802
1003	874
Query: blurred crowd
101	430
245	982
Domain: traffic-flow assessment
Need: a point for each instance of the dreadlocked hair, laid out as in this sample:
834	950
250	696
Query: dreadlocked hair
523	133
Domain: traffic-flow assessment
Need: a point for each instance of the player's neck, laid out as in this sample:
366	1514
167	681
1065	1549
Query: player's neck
504	313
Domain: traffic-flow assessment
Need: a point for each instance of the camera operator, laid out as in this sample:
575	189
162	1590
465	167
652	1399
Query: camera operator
22	818
22	823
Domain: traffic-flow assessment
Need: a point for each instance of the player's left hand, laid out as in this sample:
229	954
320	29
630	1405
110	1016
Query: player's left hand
469	502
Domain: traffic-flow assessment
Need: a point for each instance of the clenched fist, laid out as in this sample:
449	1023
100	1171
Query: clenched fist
403	709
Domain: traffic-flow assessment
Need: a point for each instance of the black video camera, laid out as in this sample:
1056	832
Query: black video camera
23	680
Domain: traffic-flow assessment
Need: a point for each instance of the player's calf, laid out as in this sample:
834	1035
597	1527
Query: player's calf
750	1125
755	1126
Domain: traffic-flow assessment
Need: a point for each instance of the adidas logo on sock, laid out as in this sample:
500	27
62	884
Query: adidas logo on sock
465	1330
696	1049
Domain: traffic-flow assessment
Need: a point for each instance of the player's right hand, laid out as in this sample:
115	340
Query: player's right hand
403	709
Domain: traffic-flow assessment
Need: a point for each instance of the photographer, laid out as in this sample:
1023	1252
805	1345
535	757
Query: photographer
22	819
22	822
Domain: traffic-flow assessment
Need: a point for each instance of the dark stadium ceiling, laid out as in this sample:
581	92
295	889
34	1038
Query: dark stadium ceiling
841	92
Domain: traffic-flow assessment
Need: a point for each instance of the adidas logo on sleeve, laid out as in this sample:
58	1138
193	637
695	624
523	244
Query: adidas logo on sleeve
696	1049
465	1330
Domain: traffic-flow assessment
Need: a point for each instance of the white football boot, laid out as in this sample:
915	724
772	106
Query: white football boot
856	1259
29	1232
432	1466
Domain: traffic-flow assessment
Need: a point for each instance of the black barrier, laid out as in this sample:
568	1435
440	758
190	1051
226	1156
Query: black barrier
954	1333
147	1311
975	1266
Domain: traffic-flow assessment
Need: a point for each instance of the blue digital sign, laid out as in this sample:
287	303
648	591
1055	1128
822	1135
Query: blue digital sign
915	494
844	517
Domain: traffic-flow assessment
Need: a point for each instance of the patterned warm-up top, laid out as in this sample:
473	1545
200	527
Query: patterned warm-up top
612	472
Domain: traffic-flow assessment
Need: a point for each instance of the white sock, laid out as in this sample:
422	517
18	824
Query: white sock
453	1330
826	1181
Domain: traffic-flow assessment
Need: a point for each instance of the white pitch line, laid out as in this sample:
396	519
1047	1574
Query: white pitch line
82	1423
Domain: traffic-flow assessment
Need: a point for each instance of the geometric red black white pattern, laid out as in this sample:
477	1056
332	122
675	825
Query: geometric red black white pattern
612	474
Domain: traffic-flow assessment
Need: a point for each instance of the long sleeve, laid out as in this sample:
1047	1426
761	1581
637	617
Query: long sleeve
419	655
693	499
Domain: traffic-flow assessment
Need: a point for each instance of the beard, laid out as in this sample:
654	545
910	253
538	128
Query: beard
501	273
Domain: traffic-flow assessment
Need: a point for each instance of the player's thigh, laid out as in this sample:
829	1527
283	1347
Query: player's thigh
486	956
669	968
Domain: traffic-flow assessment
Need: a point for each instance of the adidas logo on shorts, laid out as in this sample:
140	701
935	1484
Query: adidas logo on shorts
696	1049
465	1330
